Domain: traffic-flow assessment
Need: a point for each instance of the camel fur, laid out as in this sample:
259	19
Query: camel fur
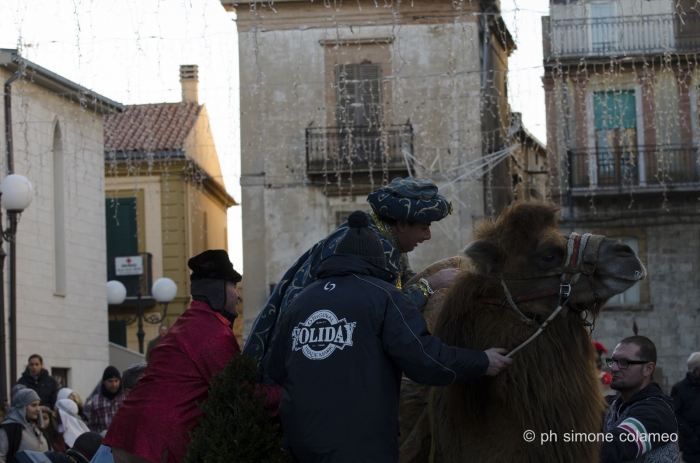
552	386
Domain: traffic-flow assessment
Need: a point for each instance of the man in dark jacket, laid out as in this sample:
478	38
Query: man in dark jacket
37	378
639	423
340	351
686	404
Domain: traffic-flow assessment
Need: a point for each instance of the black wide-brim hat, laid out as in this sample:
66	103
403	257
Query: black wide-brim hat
213	264
411	200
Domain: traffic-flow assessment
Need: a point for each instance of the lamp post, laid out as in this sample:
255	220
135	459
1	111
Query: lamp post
163	290
16	194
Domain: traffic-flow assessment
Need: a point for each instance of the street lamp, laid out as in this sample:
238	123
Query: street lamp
163	290
16	194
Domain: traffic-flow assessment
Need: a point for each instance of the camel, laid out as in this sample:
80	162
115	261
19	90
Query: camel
552	386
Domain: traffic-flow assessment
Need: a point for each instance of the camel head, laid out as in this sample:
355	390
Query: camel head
525	242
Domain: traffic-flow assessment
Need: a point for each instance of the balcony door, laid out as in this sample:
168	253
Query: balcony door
603	29
616	137
359	113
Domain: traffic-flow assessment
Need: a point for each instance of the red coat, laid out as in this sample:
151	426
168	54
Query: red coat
161	411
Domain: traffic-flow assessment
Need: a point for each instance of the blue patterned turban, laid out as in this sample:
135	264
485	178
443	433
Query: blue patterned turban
411	200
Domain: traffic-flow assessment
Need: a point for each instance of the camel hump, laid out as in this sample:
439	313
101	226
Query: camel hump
432	308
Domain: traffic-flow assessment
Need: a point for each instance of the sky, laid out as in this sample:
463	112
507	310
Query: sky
130	51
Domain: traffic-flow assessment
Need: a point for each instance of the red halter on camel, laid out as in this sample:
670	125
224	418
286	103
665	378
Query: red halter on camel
581	258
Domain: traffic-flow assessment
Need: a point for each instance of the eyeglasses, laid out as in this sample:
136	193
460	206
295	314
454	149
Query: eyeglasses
624	363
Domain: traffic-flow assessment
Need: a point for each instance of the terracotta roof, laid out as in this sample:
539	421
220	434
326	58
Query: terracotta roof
150	127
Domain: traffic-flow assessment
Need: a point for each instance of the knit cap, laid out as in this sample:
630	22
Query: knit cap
361	240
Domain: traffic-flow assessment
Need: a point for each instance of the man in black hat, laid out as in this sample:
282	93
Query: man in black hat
402	213
156	418
107	401
340	350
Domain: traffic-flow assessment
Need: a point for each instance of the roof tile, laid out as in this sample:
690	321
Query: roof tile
150	127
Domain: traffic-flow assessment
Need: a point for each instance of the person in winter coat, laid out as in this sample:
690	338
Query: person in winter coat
106	403
402	213
22	427
37	378
639	421
340	351
157	417
686	404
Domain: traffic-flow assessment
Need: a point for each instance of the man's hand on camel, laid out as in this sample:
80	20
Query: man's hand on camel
497	361
443	278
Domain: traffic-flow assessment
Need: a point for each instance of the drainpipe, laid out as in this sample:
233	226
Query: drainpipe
13	268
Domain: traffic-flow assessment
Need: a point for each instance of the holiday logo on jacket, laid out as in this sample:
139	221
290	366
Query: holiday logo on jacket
321	334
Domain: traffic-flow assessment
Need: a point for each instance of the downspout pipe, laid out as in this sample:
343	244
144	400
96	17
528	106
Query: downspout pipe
13	268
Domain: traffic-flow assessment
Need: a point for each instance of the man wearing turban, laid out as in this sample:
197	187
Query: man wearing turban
402	213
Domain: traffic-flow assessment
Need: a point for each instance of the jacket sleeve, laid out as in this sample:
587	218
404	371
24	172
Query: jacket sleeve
420	355
414	294
635	435
274	365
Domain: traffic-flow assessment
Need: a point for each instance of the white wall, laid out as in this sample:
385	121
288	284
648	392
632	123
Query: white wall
69	331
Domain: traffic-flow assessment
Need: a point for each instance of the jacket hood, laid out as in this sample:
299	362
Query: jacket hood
350	264
652	390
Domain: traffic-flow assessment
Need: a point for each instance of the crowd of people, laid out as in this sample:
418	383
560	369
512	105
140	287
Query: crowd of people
346	299
45	423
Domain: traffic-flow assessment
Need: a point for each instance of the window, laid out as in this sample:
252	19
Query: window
122	238
631	295
61	376
604	36
359	95
615	115
59	215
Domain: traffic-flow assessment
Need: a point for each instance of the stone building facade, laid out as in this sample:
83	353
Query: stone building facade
60	280
621	85
339	99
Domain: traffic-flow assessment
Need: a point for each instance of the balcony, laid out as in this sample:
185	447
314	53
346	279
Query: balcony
358	155
650	167
620	36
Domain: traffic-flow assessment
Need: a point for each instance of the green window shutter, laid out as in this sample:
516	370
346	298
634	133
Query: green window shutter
117	332
122	231
615	110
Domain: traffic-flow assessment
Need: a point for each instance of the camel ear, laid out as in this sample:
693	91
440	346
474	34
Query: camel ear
484	254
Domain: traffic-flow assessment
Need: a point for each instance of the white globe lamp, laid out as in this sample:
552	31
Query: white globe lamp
17	193
116	292
164	290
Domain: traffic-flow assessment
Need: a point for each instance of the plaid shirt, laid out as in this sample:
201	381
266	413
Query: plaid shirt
103	411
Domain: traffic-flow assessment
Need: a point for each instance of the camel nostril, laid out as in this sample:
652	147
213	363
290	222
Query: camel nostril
623	249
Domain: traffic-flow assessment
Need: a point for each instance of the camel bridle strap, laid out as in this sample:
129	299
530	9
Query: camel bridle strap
581	259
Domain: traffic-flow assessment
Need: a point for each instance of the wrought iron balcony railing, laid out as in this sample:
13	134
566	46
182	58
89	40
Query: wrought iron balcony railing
643	167
358	149
621	35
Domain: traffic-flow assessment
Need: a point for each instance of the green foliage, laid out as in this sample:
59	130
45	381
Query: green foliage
235	426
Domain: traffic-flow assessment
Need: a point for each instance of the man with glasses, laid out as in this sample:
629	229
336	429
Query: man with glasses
640	424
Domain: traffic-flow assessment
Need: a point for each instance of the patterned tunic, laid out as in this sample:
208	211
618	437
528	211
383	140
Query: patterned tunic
303	273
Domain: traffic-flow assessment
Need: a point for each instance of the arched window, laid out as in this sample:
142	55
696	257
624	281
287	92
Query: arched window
59	214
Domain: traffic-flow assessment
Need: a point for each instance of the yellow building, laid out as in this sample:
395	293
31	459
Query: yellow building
164	199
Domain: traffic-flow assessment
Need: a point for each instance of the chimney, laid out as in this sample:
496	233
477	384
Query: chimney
189	80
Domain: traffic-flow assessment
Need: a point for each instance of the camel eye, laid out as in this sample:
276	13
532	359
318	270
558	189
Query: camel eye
548	258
